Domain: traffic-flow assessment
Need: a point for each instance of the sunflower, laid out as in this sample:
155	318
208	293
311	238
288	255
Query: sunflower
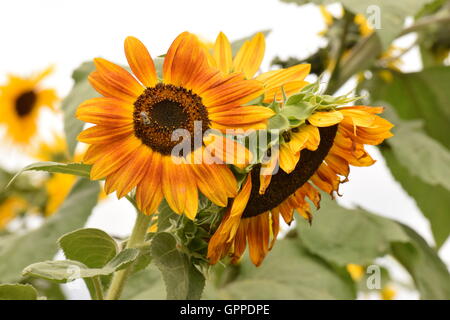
248	60
313	156
132	143
20	101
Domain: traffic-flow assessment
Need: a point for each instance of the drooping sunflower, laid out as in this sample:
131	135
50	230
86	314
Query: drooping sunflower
248	60
314	156
20	102
132	142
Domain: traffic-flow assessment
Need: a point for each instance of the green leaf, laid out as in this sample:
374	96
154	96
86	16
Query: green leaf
423	156
18	251
299	111
430	274
165	216
182	279
391	14
342	236
93	247
76	169
69	270
420	95
17	292
279	121
288	272
433	201
146	284
237	44
81	91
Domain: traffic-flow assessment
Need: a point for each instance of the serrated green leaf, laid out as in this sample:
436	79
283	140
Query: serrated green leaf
342	236
69	270
77	169
299	111
182	279
420	95
430	274
423	156
288	272
278	122
146	284
93	247
17	292
433	201
18	251
80	92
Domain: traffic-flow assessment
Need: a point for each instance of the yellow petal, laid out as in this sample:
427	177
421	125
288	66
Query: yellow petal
250	55
222	53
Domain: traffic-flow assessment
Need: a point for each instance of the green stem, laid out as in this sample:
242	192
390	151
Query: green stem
335	73
98	288
136	239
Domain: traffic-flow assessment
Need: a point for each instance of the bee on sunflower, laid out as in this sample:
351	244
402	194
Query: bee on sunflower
21	99
132	142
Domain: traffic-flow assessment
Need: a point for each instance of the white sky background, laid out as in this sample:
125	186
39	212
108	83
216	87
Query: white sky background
35	34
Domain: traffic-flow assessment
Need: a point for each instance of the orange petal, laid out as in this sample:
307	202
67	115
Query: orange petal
106	111
115	159
277	78
288	159
118	78
227	150
129	175
222	53
179	187
216	182
258	235
104	135
242	115
185	61
102	86
233	91
325	119
140	61
149	193
250	55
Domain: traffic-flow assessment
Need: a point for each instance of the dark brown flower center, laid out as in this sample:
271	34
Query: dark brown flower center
161	110
25	103
282	184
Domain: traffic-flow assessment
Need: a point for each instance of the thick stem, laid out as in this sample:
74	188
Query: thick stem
137	238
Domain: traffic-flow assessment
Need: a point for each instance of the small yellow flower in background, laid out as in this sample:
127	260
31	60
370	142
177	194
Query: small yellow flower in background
20	101
9	208
365	29
58	187
356	271
388	293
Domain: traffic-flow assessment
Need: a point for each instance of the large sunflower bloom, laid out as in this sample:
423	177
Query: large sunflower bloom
131	143
248	60
315	156
20	102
